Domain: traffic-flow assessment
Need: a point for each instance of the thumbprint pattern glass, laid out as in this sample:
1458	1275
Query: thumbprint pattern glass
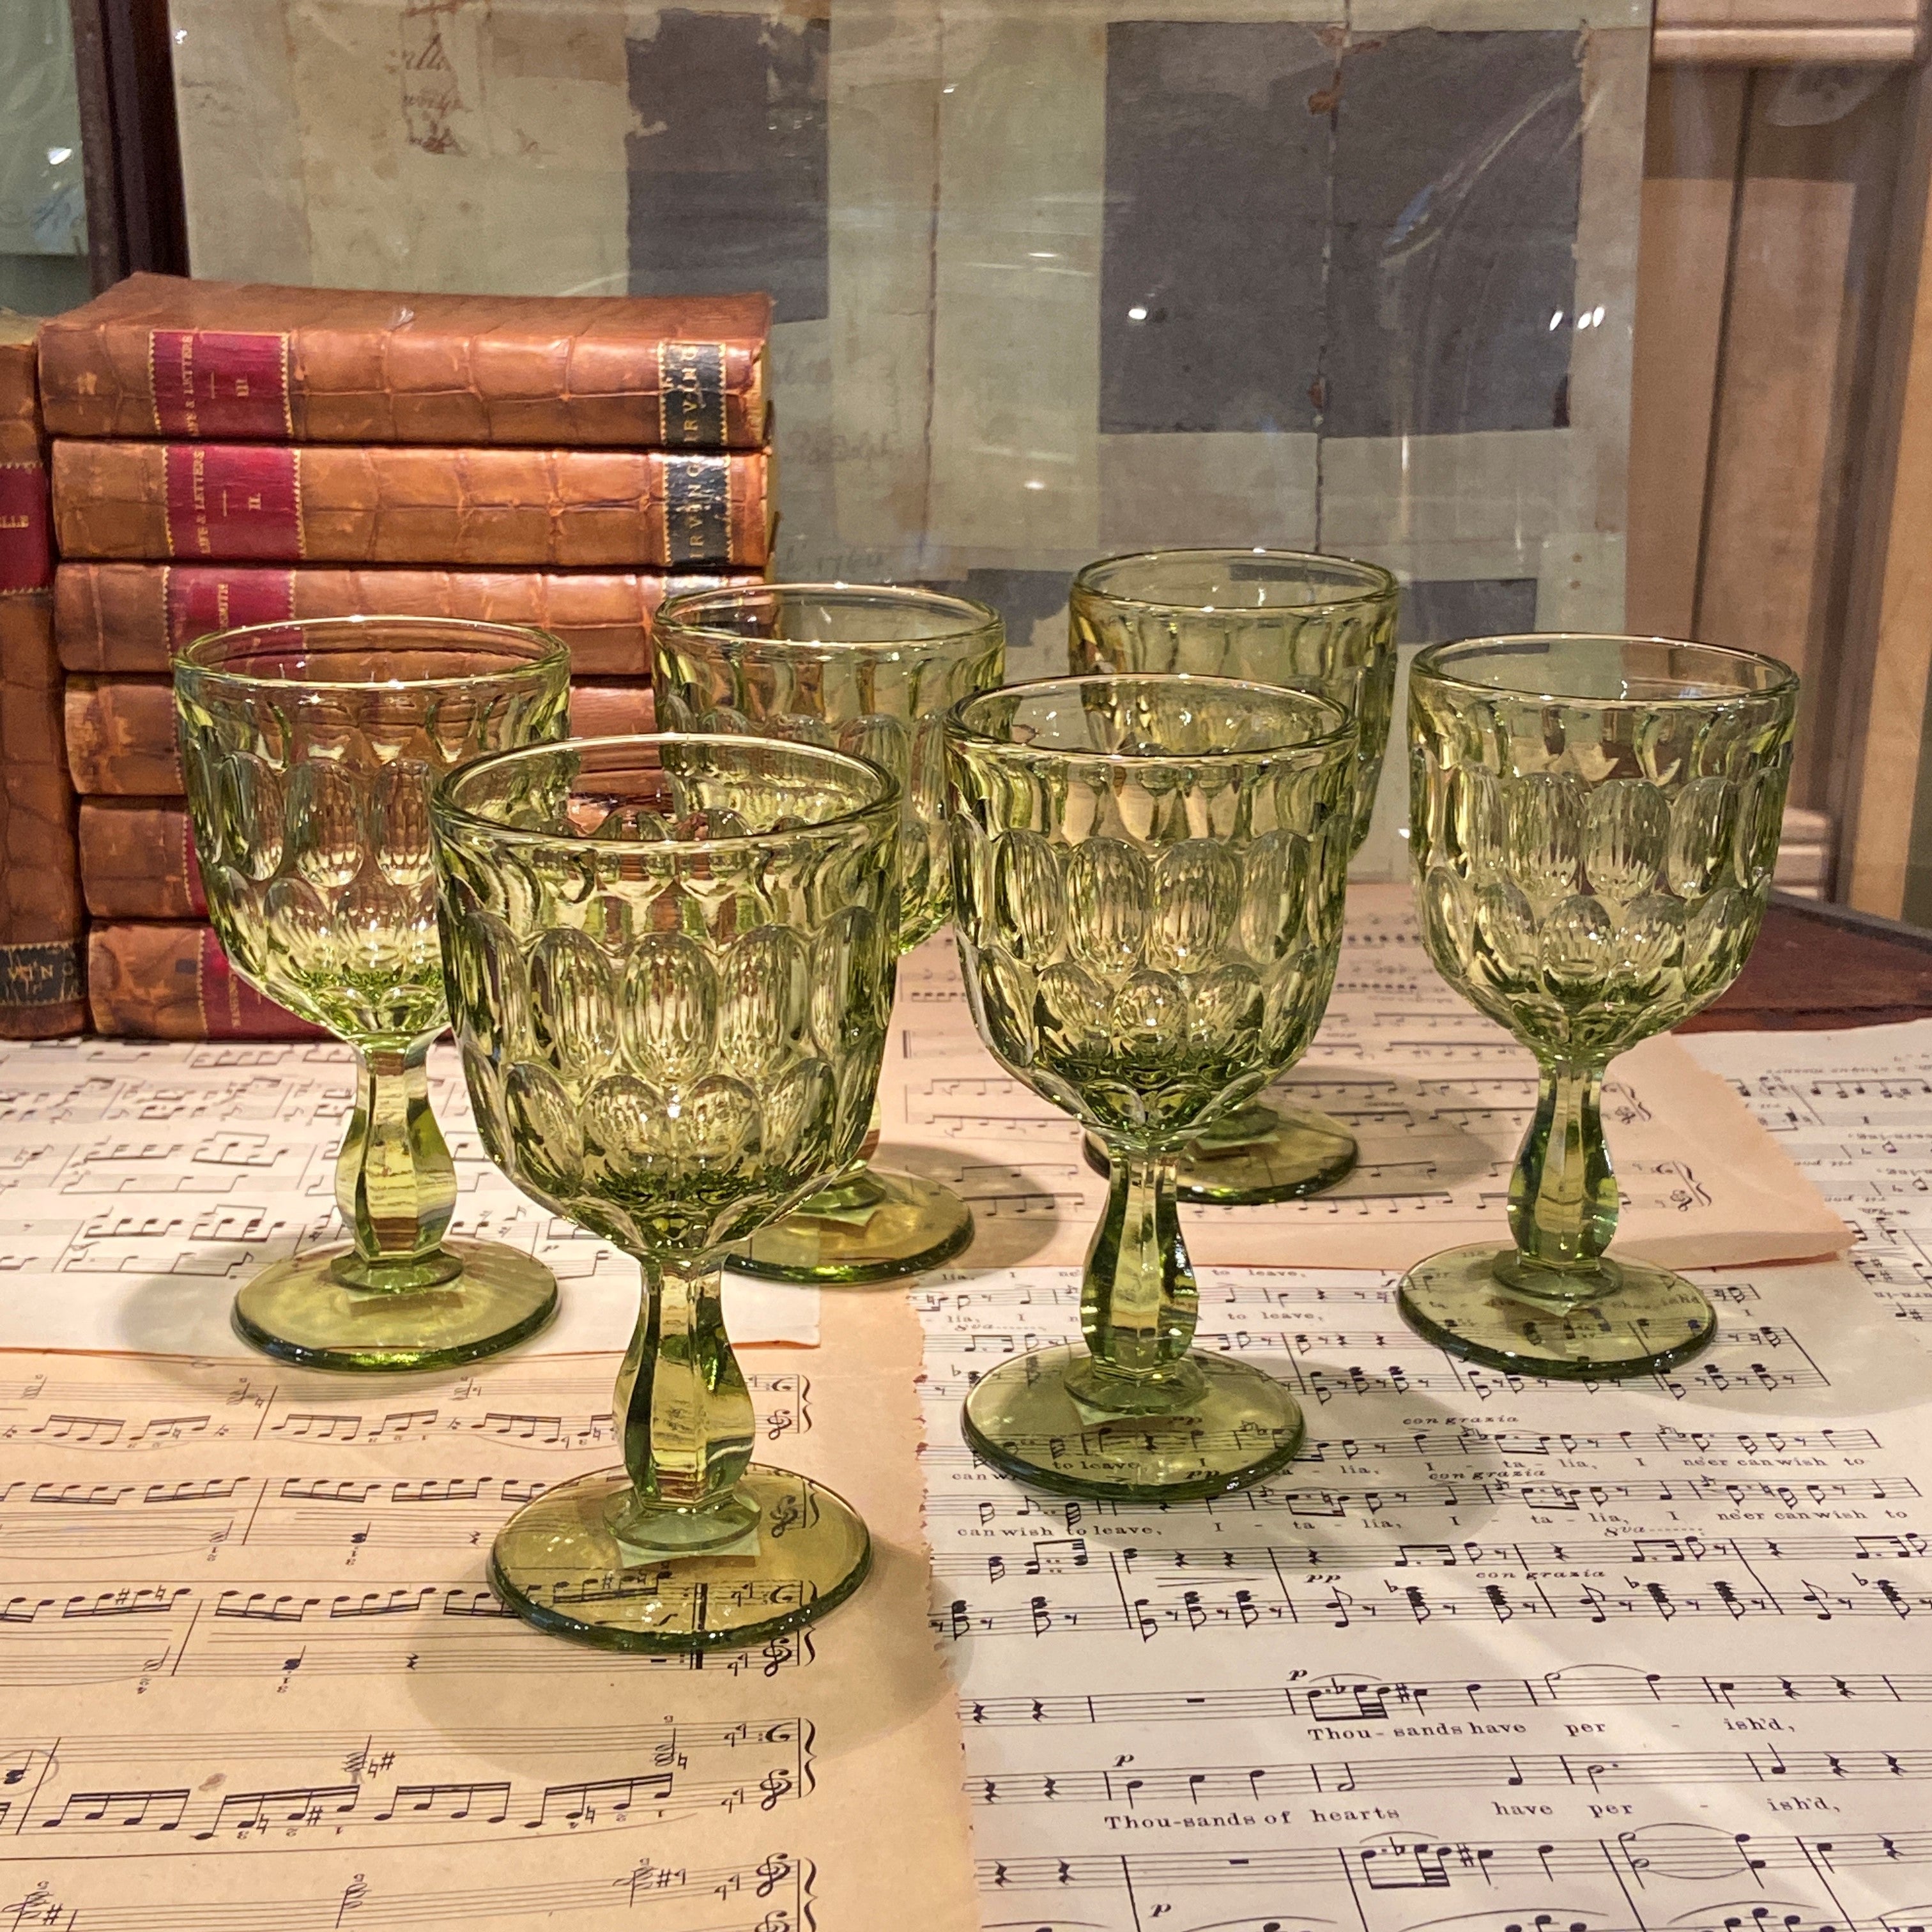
1148	879
871	671
1595	821
309	750
1323	624
671	963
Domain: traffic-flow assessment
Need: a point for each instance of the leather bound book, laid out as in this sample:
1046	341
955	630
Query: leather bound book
173	982
41	992
603	710
137	859
161	355
120	730
132	617
222	502
121	737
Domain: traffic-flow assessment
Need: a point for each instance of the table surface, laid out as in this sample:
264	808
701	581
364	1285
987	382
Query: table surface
1817	966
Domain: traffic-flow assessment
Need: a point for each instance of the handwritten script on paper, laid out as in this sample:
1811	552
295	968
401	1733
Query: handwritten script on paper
141	1183
254	1678
1853	1109
1493	1653
1437	1096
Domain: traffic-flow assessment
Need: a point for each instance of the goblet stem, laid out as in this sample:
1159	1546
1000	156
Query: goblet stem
1138	1299
1563	1194
685	1418
395	1182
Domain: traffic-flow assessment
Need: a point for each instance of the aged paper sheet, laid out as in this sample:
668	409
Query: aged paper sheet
140	1184
255	1681
1437	1095
1493	1653
1853	1109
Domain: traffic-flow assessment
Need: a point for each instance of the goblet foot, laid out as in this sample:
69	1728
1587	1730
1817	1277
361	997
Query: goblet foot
1643	1319
1257	1153
470	1298
571	1564
1227	1425
866	1226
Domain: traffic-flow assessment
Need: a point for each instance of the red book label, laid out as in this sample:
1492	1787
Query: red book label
201	599
234	502
233	1010
209	382
26	552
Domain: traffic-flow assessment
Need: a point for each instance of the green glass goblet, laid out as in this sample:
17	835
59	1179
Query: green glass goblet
310	749
1148	878
1323	624
671	961
872	670
1593	821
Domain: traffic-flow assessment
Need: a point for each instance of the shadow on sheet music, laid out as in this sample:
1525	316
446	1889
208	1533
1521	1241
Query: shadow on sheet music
186	1311
1015	1214
1798	1339
1415	1136
443	1638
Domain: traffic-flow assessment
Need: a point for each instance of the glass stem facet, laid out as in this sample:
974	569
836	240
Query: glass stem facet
1139	1302
1563	1194
685	1418
395	1184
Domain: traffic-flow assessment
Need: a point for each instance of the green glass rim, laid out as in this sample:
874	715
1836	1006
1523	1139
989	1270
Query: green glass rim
528	652
1378	583
450	816
693	613
960	729
1437	663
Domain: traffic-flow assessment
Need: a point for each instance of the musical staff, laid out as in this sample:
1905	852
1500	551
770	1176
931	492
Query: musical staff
1143	1787
773	1893
217	1403
71	1632
1236	1606
397	1788
1685	1853
1463	1493
1336	1701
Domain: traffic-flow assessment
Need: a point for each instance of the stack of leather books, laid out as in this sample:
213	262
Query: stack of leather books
227	454
40	921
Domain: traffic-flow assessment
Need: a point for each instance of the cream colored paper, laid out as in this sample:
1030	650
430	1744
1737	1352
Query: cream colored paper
1437	1095
140	1184
255	1681
1493	1655
1853	1108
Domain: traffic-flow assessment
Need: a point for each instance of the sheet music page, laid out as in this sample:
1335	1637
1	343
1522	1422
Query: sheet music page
255	1681
1853	1109
141	1183
1495	1655
1437	1095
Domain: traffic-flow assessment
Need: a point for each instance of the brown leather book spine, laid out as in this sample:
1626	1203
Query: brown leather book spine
164	356
121	737
137	859
122	618
120	740
611	710
173	982
41	990
468	509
